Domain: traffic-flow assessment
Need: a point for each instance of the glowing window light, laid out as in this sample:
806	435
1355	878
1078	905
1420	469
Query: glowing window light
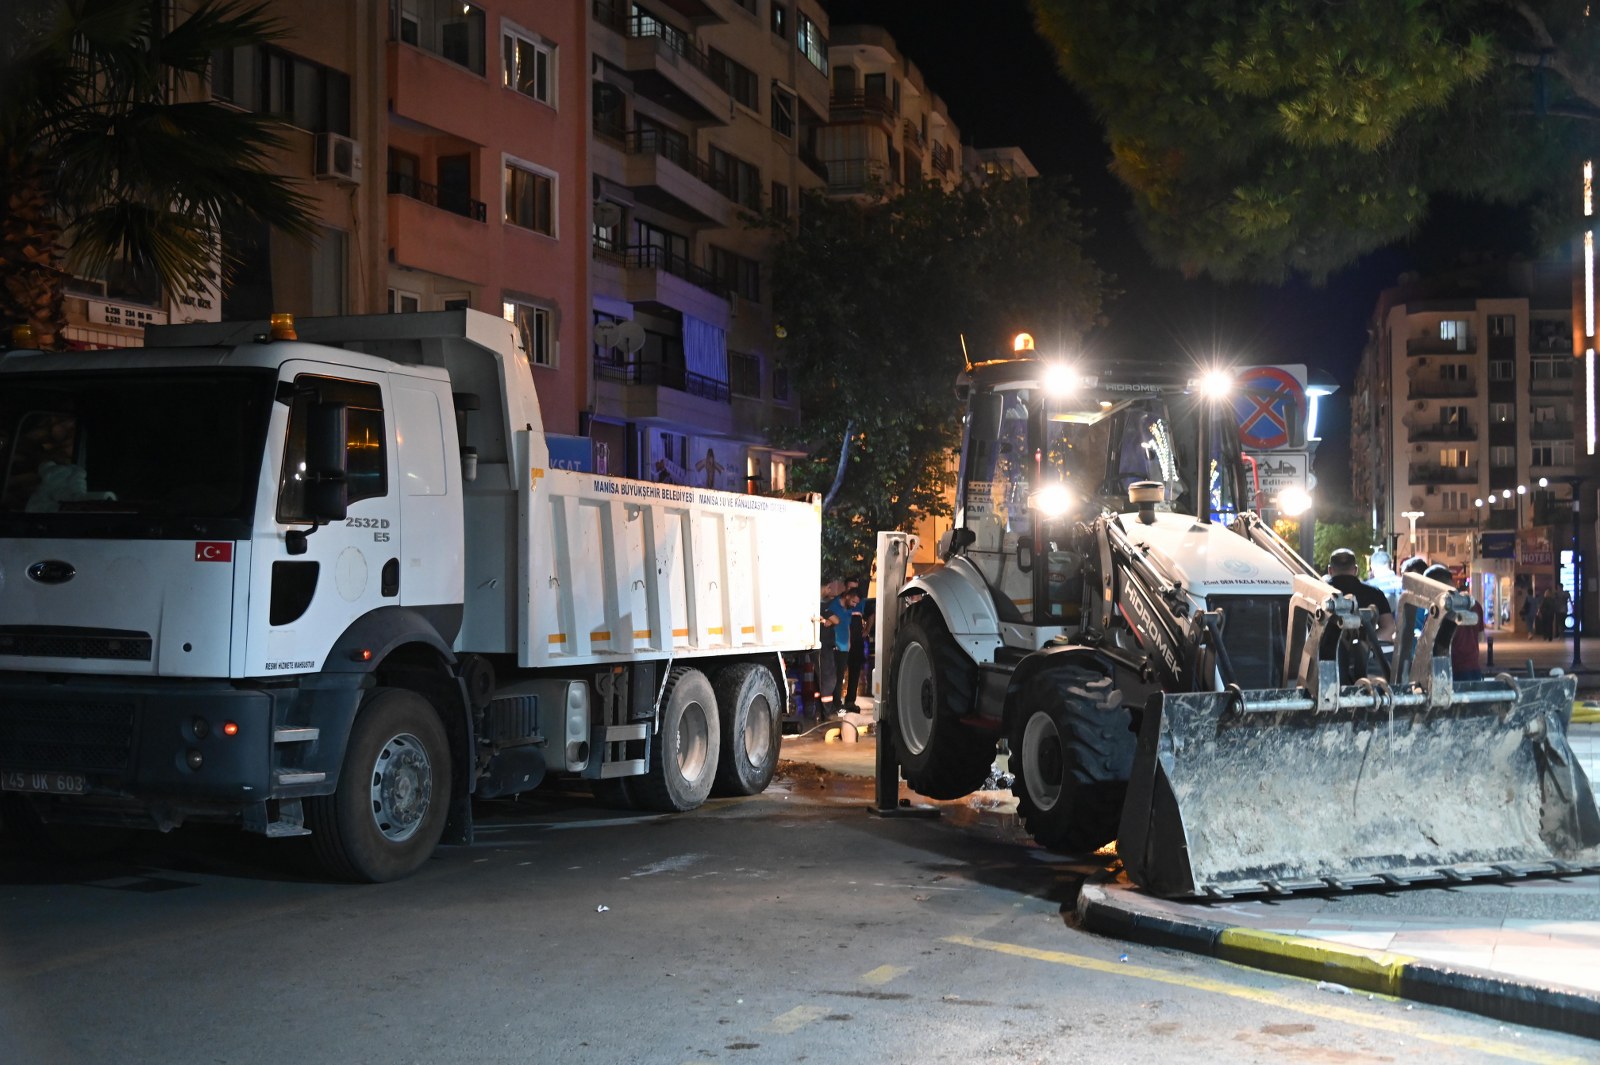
1588	188
1588	283
1588	381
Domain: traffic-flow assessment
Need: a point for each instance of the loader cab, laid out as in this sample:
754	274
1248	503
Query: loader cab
1046	449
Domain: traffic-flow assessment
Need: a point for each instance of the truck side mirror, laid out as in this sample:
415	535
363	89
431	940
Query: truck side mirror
327	462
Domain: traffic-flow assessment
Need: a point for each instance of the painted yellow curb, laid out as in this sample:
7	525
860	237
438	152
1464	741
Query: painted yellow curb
1315	959
1586	713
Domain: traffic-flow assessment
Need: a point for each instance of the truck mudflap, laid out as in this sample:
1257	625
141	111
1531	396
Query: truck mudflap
1251	792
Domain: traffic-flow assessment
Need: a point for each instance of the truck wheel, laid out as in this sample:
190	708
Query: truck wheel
393	796
752	729
1071	754
683	758
932	686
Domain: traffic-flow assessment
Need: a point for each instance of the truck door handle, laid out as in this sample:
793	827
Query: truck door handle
391	578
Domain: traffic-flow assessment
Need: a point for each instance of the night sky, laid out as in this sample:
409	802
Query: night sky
1000	82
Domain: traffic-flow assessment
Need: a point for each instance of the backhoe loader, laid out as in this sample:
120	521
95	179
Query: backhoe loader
1166	672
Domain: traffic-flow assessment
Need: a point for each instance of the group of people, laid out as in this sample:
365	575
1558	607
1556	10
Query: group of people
1343	567
1544	615
845	616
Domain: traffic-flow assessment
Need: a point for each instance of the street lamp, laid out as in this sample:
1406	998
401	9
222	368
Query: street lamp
1411	517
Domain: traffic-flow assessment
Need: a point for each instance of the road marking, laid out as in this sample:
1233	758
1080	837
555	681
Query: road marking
797	1018
1276	999
882	975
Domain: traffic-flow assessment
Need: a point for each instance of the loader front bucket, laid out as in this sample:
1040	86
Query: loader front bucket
1252	792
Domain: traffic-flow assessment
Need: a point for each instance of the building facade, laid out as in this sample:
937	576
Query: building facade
1464	426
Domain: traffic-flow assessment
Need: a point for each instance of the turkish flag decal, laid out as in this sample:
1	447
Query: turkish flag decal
213	551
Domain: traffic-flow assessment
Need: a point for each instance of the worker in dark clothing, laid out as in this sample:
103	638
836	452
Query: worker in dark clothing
1342	570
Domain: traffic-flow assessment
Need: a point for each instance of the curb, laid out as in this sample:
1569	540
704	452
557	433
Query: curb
1115	914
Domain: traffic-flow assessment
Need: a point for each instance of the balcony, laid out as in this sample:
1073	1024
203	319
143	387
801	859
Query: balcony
654	279
1445	431
848	106
1433	345
1553	430
432	195
663	173
665	63
809	158
1441	388
911	136
857	175
1558	382
1432	473
942	158
660	375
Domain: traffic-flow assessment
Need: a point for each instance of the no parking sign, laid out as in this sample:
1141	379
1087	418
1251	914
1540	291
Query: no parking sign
1271	400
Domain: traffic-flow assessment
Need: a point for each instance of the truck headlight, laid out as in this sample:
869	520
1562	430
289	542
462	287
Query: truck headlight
1051	501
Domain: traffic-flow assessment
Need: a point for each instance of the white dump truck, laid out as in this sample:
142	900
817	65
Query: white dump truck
329	583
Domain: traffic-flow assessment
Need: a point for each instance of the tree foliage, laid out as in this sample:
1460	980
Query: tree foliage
1261	140
108	157
874	299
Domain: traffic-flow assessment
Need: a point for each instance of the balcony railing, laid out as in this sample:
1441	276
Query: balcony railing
910	134
676	150
1441	388
872	103
847	175
941	156
1432	345
1431	473
432	195
1558	383
650	257
660	375
1557	430
1441	431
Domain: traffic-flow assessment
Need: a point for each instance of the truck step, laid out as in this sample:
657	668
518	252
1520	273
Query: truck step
291	777
625	733
295	735
632	768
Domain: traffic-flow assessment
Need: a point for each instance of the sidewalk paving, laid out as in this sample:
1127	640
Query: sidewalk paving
1527	952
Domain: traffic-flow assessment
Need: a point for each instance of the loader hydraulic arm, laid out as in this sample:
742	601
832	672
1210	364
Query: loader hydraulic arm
1153	600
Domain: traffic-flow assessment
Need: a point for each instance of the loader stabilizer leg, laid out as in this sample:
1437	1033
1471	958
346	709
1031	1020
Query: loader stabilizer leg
1264	791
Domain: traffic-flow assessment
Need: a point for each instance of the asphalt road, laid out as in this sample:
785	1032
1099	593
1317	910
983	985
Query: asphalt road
792	927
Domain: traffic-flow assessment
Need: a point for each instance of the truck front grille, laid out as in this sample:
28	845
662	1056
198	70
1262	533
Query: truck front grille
87	737
39	641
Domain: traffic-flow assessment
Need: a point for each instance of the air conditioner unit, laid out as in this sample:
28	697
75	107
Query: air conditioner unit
337	157
1417	449
1416	502
1421	404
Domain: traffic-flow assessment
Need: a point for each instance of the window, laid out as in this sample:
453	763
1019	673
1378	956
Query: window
1502	325
1452	499
449	29
735	178
536	326
1453	371
740	81
780	199
530	197
529	65
740	275
403	302
780	384
1453	456
1457	330
274	82
744	374
809	40
782	110
1502	456
366	457
456	302
780	20
1453	417
1551	335
1556	454
1552	367
1502	370
1501	412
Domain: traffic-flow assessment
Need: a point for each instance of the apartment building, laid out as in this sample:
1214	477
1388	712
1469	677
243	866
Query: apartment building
1463	434
886	129
703	118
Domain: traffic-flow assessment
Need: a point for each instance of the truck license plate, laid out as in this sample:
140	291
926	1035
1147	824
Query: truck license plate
50	783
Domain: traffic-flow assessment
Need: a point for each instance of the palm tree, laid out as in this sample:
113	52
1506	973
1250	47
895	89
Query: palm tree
108	156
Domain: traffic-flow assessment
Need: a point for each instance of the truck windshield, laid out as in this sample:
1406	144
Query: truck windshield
81	453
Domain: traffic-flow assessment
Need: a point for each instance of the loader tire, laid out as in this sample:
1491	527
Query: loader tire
1071	754
932	684
393	797
684	753
752	729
